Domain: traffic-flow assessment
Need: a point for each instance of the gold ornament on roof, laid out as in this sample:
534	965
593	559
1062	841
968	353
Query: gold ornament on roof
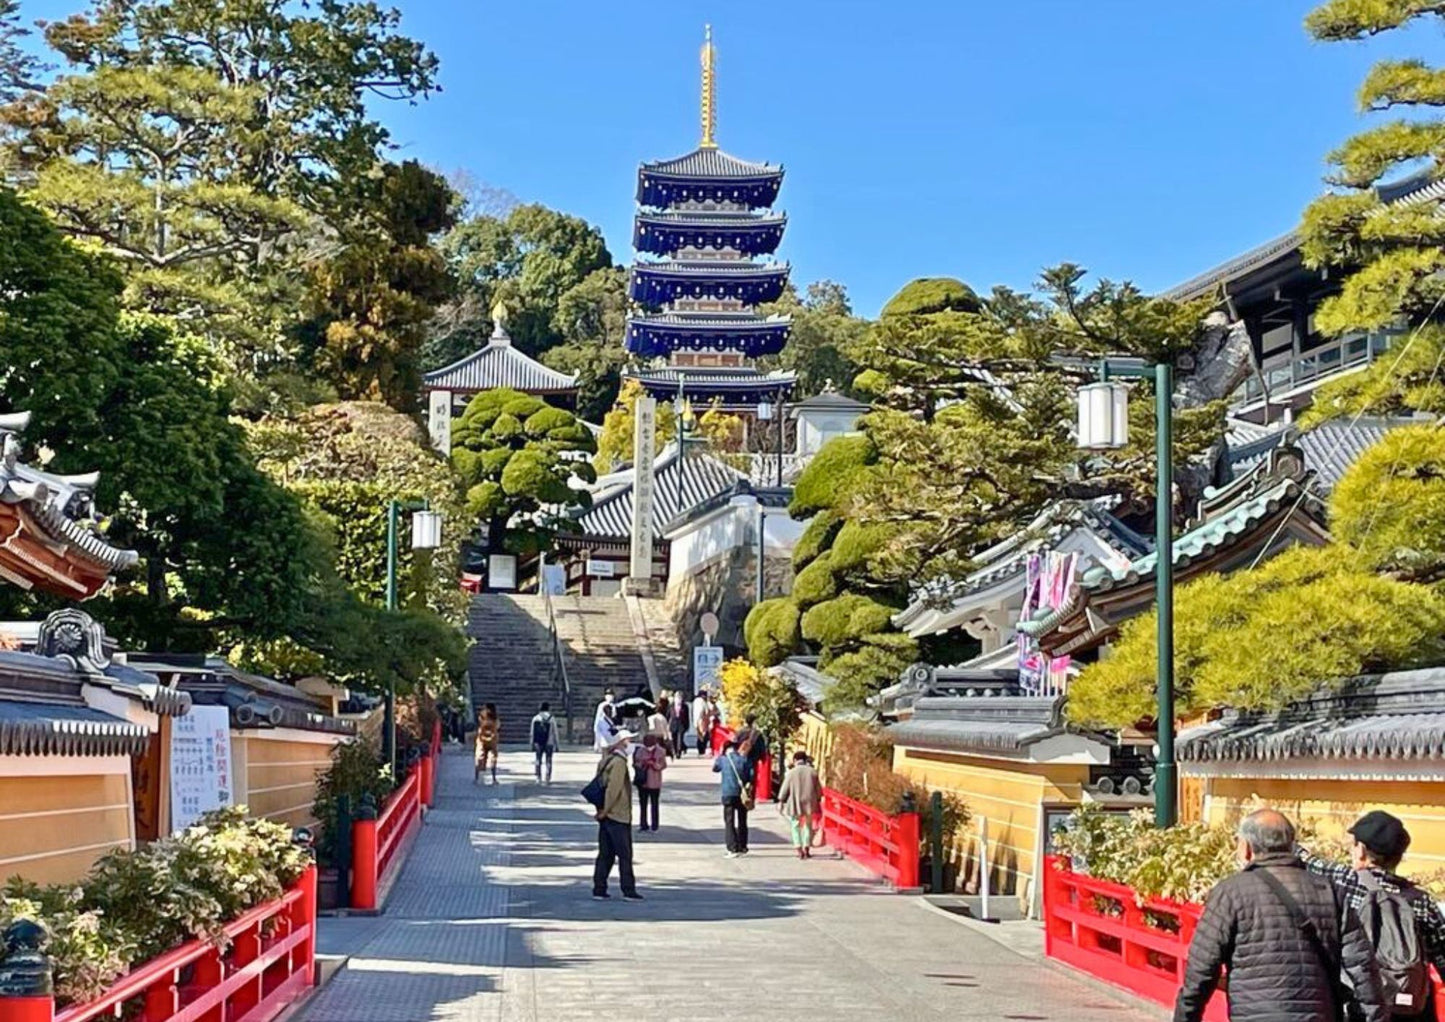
709	85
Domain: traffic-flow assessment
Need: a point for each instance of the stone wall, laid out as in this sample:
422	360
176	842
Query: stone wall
727	586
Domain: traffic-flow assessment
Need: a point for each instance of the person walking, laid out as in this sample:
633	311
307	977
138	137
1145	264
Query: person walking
604	722
614	823
1403	923
800	799
649	760
657	719
737	797
702	722
544	740
679	719
1287	939
489	742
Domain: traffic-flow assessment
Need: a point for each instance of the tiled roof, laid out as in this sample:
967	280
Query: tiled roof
830	401
729	219
711	162
979	723
701	478
1396	716
43	729
499	365
810	682
60	505
1416	188
710	268
1329	449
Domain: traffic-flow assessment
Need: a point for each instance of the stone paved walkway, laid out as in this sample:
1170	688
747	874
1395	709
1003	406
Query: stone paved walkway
492	919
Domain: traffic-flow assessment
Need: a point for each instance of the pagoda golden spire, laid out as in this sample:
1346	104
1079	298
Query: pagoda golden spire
709	86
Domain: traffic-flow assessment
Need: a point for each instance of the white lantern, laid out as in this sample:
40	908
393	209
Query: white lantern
1103	416
765	410
426	530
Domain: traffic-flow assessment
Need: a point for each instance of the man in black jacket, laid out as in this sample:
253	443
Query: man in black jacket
1288	940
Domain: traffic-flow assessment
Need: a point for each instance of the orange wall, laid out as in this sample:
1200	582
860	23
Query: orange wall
54	826
280	775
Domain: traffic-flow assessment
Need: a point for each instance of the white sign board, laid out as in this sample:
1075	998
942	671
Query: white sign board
201	778
706	661
601	569
439	420
554	579
501	571
644	437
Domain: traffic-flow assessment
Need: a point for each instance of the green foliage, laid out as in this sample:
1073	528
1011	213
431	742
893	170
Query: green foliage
816	538
771	631
1390	505
1392	254
545	450
1341	620
591	318
615	442
1181	863
824	484
529	259
846	620
824	330
928	295
135	906
766	695
815	583
356	769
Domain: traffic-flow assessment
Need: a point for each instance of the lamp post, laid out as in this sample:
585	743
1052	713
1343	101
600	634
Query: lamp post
1104	425
426	534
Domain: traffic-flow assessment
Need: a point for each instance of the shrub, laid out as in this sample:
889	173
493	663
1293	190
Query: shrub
860	766
825	481
1390	505
771	631
815	583
816	538
772	699
134	906
356	769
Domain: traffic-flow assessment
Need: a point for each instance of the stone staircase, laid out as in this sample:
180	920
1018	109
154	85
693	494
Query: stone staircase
512	663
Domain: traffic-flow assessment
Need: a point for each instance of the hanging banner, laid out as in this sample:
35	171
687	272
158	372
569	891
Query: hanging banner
201	778
439	420
644	437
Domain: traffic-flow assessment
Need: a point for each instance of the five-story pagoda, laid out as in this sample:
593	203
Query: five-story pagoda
703	222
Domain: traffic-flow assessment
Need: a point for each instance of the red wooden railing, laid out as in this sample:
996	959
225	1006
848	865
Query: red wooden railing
886	845
1104	929
270	962
377	845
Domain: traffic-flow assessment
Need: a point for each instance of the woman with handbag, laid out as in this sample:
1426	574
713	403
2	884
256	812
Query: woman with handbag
737	797
799	799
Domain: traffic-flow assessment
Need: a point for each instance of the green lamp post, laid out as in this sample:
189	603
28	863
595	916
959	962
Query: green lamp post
1104	425
426	534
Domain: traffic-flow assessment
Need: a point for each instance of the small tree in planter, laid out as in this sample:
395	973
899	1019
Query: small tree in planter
356	770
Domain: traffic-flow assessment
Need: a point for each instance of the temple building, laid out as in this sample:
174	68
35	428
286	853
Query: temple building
703	222
50	540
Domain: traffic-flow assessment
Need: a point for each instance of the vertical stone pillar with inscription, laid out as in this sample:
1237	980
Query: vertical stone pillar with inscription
644	438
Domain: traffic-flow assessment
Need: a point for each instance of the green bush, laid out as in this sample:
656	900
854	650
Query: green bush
856	543
928	295
816	538
356	769
135	906
771	631
846	620
824	483
815	583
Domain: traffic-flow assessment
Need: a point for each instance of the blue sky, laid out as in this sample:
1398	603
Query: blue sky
1144	140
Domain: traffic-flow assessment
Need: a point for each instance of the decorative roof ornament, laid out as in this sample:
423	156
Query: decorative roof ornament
709	93
499	323
76	638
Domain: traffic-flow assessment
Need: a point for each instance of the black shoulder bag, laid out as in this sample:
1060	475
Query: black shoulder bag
1344	999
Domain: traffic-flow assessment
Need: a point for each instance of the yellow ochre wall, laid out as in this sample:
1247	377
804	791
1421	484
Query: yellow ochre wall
1334	804
1008	794
55	822
280	773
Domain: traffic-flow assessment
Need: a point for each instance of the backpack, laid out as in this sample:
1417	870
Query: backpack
1389	922
541	730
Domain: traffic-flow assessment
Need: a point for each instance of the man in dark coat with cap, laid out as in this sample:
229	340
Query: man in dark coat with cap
1288	941
1380	842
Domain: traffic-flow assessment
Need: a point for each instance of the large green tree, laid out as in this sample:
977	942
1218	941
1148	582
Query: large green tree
824	330
523	464
527	259
1393	253
591	319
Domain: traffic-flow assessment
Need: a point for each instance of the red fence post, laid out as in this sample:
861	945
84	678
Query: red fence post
763	787
427	769
908	834
363	864
27	1009
304	914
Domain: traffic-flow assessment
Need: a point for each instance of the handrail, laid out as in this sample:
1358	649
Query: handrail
395	820
559	662
270	963
884	843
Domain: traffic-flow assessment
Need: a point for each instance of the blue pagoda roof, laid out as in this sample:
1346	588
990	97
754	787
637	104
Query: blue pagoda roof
708	174
731	386
753	336
666	282
663	233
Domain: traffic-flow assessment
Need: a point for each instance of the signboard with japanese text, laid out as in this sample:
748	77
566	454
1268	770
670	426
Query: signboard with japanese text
643	442
706	662
201	777
439	420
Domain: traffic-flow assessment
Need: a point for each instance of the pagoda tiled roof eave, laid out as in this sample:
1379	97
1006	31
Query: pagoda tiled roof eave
710	268
741	219
710	164
741	322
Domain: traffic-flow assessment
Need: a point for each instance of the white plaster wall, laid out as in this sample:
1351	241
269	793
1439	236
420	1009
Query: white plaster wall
817	428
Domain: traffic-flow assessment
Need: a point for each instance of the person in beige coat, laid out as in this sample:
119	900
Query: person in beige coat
800	799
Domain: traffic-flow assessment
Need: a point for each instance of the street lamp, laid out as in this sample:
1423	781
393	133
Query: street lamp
426	534
1104	425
